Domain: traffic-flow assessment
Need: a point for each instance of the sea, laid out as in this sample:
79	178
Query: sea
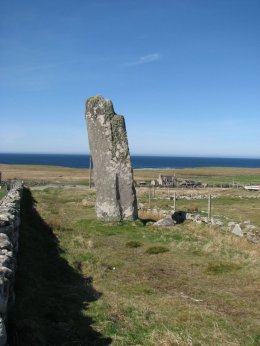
138	162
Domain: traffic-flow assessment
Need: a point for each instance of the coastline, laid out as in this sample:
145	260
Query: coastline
81	161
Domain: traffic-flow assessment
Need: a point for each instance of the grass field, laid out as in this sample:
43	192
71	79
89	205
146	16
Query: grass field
210	175
82	282
80	176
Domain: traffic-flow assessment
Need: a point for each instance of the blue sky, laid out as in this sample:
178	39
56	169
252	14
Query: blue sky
185	73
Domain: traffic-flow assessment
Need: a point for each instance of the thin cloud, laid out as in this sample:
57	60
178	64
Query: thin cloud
145	59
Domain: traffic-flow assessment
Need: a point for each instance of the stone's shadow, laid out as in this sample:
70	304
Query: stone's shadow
50	294
145	221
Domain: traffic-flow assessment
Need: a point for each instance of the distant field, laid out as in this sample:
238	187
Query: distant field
44	173
81	176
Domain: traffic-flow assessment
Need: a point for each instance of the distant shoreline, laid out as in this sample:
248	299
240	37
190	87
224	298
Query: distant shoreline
138	162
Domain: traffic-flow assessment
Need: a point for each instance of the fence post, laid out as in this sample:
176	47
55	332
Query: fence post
209	207
174	200
149	198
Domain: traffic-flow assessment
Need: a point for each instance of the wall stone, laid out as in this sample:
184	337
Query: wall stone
9	234
113	175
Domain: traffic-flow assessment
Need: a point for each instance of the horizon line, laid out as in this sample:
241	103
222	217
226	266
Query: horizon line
139	155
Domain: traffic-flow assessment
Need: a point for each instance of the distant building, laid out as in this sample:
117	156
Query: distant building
167	180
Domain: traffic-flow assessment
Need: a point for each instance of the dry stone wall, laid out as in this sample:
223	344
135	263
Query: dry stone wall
9	234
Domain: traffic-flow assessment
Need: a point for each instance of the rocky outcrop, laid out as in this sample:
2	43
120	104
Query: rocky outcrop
9	233
116	197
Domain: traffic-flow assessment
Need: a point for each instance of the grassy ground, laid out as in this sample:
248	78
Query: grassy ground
82	282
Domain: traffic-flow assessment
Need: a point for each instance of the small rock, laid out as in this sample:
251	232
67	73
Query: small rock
90	244
231	224
197	218
84	202
247	222
189	216
238	231
250	227
218	223
4	242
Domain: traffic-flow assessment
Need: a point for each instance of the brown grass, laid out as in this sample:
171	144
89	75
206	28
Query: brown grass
46	173
150	215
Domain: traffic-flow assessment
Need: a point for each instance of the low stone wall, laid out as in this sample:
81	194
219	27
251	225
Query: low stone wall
9	233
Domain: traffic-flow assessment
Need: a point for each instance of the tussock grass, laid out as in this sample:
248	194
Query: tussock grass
155	250
222	267
133	243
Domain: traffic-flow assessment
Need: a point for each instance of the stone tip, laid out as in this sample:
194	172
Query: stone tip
99	102
95	98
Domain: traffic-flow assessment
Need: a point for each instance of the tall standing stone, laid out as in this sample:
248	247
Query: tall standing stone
113	174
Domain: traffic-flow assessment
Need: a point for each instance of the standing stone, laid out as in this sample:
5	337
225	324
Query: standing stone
113	174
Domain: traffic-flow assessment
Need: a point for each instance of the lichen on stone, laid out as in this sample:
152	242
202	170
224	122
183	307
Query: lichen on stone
119	136
116	199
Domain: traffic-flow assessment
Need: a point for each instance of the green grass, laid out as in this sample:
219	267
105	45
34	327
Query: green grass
2	193
84	282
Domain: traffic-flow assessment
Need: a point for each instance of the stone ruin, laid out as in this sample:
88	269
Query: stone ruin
113	174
